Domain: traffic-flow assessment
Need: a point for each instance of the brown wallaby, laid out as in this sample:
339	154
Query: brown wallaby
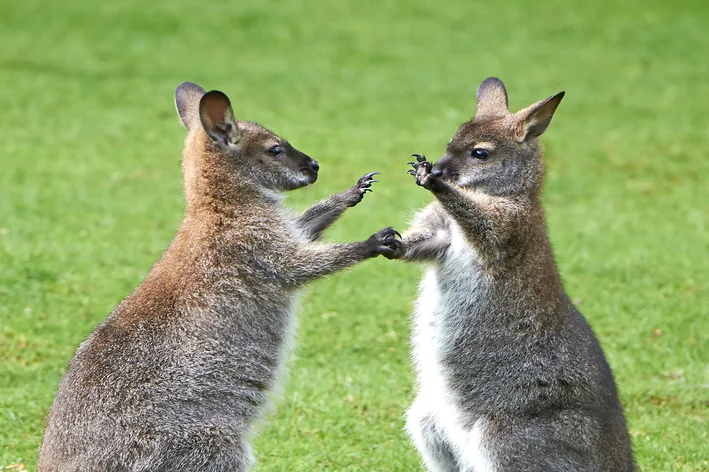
510	375
175	377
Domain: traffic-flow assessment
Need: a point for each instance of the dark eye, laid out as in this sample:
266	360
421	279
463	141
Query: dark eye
480	154
276	150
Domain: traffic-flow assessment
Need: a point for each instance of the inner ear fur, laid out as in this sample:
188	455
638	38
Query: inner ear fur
534	120
217	118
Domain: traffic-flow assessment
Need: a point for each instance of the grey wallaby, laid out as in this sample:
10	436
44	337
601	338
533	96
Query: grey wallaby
510	374
176	376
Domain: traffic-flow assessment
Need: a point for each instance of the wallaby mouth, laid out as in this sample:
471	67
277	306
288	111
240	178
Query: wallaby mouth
308	176
443	170
311	170
302	179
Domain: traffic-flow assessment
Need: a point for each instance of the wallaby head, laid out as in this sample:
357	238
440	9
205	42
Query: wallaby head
497	151
228	151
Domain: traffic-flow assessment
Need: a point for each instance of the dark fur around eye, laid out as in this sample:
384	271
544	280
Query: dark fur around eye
276	150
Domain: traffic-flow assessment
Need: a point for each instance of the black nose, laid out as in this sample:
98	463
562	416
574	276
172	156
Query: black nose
314	166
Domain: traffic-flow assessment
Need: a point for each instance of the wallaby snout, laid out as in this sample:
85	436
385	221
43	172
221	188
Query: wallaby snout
303	168
444	168
308	166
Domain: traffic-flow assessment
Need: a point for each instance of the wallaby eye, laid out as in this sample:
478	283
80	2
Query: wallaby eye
479	153
276	150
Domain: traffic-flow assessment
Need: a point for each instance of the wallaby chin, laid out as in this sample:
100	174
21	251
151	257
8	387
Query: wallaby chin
510	375
181	371
304	181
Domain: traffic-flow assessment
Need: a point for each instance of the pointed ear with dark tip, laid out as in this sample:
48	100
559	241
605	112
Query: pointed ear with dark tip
491	98
218	118
187	97
533	120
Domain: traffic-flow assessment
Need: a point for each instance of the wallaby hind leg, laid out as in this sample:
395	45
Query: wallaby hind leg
429	440
223	463
208	456
558	443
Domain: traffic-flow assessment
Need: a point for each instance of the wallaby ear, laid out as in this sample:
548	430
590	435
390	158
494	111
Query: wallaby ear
491	98
533	120
187	97
217	118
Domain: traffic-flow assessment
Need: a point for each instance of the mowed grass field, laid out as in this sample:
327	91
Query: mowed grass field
90	189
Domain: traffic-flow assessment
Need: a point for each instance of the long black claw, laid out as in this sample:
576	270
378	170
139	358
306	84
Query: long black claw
396	233
411	163
367	177
411	172
367	189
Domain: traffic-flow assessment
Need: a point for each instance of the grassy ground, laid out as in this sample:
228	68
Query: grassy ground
90	188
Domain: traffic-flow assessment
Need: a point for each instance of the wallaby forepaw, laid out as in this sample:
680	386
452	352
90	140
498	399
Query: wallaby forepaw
363	185
423	172
387	243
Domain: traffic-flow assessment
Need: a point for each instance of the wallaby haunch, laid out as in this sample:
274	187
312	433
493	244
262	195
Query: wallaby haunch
510	375
174	379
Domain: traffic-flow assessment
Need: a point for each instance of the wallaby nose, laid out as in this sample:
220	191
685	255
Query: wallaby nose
314	166
440	166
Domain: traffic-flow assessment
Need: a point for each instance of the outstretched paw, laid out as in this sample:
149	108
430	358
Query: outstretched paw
387	243
363	185
423	172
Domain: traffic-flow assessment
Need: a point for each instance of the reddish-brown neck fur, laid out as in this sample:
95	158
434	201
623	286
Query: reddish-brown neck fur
212	184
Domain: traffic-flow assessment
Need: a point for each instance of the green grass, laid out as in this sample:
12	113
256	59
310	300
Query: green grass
90	188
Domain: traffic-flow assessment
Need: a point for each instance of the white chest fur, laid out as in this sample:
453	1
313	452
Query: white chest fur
445	288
